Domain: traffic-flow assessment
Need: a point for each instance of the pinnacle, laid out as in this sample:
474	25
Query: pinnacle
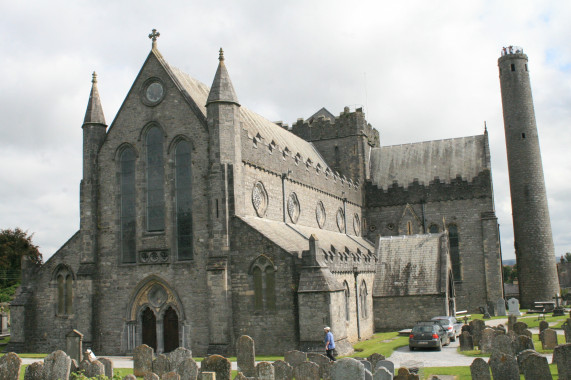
222	89
94	113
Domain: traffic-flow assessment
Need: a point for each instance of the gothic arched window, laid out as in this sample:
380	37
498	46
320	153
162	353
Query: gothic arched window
127	189
433	229
263	273
455	251
155	181
64	279
363	298
183	190
347	300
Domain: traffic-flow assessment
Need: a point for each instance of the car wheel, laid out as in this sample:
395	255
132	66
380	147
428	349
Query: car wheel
411	348
439	347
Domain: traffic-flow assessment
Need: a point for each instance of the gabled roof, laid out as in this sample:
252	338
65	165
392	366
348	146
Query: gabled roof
323	112
443	159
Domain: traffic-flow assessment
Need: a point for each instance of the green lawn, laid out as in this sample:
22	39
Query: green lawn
382	343
532	321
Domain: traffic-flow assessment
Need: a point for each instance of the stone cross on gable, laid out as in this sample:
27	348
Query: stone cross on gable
153	36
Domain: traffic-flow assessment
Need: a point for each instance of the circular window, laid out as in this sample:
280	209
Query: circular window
260	199
293	209
153	92
320	214
340	220
357	224
390	226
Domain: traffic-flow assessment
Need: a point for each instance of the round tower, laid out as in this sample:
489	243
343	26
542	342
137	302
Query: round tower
533	240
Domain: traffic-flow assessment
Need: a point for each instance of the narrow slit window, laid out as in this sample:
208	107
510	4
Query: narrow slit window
523	135
513	67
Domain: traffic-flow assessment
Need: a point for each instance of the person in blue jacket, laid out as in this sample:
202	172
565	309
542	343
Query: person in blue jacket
329	343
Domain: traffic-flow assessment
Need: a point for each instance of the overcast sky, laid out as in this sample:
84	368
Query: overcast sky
422	70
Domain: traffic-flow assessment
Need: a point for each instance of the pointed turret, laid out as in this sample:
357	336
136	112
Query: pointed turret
222	89
94	113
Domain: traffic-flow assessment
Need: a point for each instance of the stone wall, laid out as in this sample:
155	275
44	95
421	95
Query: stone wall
396	313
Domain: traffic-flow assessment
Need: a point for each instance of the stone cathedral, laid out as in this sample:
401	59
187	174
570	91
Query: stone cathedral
201	221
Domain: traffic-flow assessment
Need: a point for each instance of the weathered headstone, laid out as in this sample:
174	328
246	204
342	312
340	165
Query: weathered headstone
528	333
548	339
178	356
240	376
367	365
500	329
108	364
480	370
513	307
535	367
34	371
218	364
171	376
543	325
404	374
83	366
96	368
323	362
306	371
477	326
283	371
264	371
187	369
503	366
387	364
501	307
130	377
512	319
295	357
347	368
521	357
522	343
466	328
567	329
519	327
10	365
57	365
488	337
74	345
382	374
142	360
151	376
208	376
503	344
161	365
246	355
74	367
368	375
374	358
562	357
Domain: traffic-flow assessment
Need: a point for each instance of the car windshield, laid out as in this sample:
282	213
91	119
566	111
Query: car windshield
443	322
422	329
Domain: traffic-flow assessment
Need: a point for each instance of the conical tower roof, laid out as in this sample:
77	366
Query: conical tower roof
94	112
222	89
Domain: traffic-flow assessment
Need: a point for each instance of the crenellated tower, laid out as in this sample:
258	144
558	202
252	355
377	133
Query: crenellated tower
534	248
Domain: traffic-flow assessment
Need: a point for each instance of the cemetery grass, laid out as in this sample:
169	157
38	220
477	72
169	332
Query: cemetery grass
532	321
536	344
382	343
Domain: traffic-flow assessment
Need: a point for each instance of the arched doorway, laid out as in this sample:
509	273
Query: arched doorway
149	322
170	328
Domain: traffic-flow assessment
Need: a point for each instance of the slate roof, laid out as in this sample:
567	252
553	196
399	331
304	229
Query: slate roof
443	159
410	265
251	121
295	238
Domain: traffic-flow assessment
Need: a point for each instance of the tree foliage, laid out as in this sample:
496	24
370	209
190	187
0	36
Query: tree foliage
14	244
566	258
510	273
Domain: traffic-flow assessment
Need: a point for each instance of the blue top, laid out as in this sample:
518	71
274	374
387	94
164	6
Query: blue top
329	338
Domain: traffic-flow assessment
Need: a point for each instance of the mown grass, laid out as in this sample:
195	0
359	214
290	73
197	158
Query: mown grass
382	343
536	344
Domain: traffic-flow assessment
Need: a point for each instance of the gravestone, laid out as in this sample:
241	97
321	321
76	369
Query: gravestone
367	365
264	371
562	357
142	360
218	364
108	364
295	357
503	367
512	319
503	344
500	329
83	366
240	376
548	339
178	356
535	367
521	357
467	328
34	371
323	362
382	374
3	323
486	312
523	343
57	365
466	342
347	368
306	371
74	367
374	358
368	375
528	333
187	369
513	307
519	328
488	337
171	376
387	364
96	368
501	307
74	345
282	370
10	365
404	374
208	376
161	365
477	326
130	377
566	326
151	376
246	355
543	325
480	370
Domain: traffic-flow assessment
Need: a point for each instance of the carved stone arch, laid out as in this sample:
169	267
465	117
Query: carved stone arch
148	293
62	268
150	125
262	261
409	223
121	148
176	140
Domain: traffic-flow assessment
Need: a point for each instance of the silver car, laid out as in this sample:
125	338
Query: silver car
451	325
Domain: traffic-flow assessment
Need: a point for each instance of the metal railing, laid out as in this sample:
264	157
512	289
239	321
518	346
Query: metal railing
512	50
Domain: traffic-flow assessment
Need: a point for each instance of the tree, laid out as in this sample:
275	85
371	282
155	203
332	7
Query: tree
510	273
14	244
566	258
